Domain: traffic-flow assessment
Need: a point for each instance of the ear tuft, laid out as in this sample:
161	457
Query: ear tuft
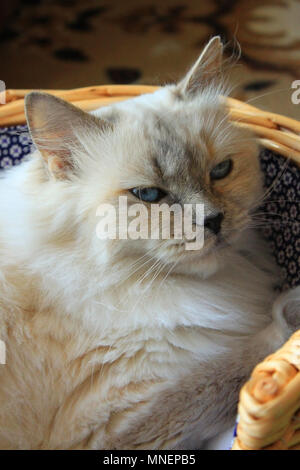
205	71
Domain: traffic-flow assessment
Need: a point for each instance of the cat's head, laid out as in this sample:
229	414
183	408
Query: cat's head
176	145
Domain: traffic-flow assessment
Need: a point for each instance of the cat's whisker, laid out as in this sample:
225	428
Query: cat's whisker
275	217
160	266
140	266
172	267
145	274
268	93
292	200
270	189
267	223
136	264
148	271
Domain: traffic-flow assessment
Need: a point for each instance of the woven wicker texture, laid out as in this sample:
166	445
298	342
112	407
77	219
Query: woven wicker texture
269	406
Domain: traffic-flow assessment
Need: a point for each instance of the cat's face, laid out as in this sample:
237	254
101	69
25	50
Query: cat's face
176	146
182	152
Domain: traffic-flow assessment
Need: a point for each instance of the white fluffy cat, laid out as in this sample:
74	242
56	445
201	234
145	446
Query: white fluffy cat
129	344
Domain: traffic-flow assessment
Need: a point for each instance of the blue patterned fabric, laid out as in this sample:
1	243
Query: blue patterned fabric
279	214
15	144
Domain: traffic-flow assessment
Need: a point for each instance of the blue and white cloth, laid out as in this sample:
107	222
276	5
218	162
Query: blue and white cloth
15	144
281	209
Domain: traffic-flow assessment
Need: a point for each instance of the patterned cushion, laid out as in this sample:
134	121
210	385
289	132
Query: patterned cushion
281	211
15	144
279	214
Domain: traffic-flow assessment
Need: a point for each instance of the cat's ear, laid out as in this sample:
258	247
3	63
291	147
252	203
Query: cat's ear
58	129
206	69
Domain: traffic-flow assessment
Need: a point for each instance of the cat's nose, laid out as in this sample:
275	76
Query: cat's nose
213	222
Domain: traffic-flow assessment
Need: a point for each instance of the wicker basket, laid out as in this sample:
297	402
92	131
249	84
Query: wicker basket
269	407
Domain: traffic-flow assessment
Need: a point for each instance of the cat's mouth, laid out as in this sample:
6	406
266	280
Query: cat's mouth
188	248
214	241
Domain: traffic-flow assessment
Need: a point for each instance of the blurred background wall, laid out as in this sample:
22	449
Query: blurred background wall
73	43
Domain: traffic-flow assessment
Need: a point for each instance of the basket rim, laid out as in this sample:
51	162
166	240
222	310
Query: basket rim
269	405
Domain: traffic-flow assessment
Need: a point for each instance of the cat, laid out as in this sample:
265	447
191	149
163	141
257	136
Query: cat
122	343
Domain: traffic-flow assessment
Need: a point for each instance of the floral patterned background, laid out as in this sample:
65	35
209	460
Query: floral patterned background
70	43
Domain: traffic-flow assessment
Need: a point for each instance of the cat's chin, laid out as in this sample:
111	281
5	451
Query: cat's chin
214	255
204	264
203	267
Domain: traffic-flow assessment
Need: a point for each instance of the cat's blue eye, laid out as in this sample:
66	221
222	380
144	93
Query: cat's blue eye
148	194
221	170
